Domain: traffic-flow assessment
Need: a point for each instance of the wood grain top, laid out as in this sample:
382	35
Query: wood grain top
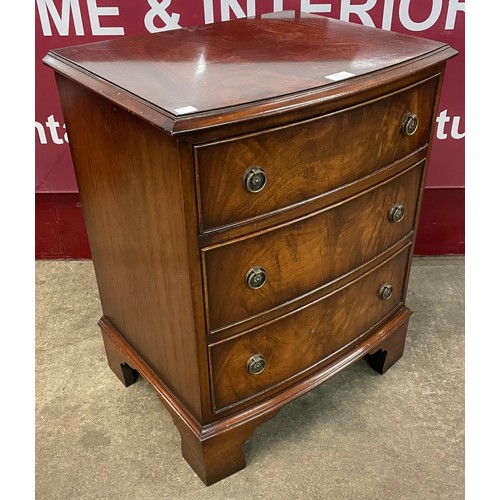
207	69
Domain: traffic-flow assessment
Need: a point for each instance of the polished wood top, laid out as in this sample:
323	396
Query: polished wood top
208	68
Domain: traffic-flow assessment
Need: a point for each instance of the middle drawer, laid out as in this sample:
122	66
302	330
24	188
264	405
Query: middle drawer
251	275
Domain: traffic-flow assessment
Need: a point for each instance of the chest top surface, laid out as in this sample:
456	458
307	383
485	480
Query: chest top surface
208	69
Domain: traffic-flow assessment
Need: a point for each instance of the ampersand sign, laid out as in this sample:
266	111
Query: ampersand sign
159	9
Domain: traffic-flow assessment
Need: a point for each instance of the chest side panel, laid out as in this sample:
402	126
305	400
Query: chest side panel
130	185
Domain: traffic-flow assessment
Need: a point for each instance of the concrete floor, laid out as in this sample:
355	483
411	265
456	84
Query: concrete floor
360	435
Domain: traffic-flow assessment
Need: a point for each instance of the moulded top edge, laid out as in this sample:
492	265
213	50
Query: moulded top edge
210	72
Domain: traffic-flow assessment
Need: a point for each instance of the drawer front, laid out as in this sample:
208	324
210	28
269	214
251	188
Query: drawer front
300	257
309	158
301	339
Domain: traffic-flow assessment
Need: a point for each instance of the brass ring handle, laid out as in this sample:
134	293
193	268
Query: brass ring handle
385	291
397	213
254	180
410	124
255	278
256	364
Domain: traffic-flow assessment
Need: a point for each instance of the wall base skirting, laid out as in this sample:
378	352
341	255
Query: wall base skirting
441	230
59	227
60	230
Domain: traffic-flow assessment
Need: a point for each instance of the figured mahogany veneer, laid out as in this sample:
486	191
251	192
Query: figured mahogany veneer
309	158
164	130
297	341
290	253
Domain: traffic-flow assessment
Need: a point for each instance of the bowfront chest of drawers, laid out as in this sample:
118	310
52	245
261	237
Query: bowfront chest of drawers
251	191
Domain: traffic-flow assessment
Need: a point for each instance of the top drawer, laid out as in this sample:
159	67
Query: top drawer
308	158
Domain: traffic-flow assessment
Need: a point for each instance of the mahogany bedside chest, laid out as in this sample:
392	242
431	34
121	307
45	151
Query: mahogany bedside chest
251	191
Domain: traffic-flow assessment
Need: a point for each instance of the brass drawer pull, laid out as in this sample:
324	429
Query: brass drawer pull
385	291
397	213
254	179
410	124
255	278
256	364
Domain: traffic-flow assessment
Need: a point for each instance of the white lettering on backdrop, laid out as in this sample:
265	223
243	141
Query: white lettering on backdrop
71	10
158	18
53	129
348	9
159	10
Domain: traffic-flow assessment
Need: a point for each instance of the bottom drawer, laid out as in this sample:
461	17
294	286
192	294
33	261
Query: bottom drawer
265	357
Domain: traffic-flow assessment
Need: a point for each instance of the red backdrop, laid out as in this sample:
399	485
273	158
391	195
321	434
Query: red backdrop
60	231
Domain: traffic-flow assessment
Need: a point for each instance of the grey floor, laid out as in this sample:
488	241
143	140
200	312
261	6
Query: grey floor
360	435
